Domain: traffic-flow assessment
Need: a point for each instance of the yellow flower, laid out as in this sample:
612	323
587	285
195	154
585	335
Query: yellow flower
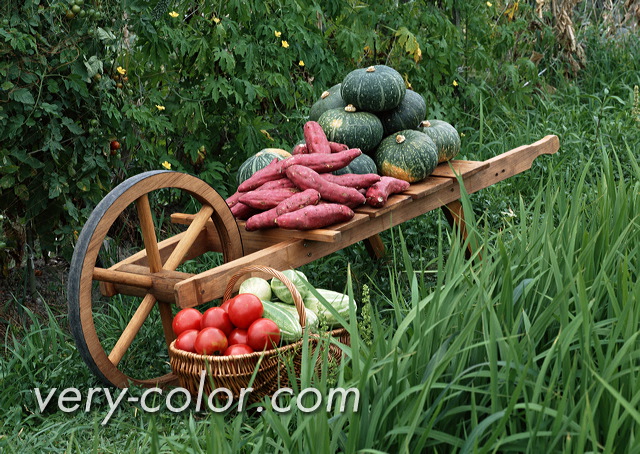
159	107
173	14
489	4
462	134
216	20
301	63
277	33
121	70
166	165
285	44
455	83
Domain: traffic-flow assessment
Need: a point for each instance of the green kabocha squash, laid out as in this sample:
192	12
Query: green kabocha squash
409	155
373	89
407	115
258	161
330	99
444	135
360	165
355	129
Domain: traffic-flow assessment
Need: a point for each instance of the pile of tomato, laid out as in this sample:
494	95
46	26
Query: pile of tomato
234	328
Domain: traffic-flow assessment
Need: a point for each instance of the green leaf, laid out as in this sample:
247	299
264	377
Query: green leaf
27	159
71	126
57	184
23	96
7	181
105	35
93	65
7	85
21	192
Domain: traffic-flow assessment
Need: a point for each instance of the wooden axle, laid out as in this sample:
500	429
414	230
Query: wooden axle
137	280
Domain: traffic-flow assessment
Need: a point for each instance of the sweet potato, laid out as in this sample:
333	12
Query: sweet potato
322	163
353	180
315	216
300	148
271	172
242	211
267	219
269	198
306	178
298	201
280	183
233	199
315	138
263	220
337	147
378	194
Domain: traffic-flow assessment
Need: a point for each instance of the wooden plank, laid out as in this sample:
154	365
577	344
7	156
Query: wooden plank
276	235
294	253
393	202
428	186
454	167
356	221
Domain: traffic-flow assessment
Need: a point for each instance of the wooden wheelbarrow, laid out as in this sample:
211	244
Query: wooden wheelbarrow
150	274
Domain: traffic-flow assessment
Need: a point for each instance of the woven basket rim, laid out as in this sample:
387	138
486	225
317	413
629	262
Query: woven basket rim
221	359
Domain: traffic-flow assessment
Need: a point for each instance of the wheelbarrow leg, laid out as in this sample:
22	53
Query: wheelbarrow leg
454	213
374	246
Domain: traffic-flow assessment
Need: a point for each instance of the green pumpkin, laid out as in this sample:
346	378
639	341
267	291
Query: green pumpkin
355	129
373	89
259	161
330	99
409	155
444	135
360	165
407	115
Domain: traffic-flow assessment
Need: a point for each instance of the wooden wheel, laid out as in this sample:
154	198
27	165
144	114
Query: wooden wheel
150	273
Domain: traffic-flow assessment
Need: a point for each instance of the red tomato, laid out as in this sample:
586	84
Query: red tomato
217	318
244	309
186	319
263	334
115	145
225	306
186	340
238	336
210	341
238	349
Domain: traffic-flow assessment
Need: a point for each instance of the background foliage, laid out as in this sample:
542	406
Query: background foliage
200	85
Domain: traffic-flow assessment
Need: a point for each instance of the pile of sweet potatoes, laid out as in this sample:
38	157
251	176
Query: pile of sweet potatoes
301	193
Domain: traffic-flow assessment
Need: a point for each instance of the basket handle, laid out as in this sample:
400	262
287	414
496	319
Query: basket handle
297	298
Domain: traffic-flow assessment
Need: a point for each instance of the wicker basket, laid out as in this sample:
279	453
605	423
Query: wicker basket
235	372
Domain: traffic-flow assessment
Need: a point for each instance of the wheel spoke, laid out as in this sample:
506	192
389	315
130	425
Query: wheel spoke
167	317
189	238
132	329
155	261
149	233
